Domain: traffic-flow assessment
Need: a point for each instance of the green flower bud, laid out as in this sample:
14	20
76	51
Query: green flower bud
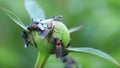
49	36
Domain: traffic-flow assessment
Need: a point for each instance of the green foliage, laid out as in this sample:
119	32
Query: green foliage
94	52
100	18
15	18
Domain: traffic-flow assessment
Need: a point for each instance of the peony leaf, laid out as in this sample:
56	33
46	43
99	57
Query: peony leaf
15	18
71	30
95	52
34	10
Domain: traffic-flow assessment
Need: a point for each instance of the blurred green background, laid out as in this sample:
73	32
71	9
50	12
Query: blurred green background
100	18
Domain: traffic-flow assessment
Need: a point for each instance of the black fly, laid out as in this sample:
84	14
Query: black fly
36	26
26	39
60	51
69	63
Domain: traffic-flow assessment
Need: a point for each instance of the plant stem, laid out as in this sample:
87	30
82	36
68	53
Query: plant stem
41	60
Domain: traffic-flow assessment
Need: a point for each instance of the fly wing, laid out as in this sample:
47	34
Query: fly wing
59	51
34	10
45	33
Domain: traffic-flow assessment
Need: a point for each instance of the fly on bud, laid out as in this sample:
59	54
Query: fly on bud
52	32
69	63
50	36
26	38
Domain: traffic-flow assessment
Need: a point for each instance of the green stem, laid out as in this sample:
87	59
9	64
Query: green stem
41	60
